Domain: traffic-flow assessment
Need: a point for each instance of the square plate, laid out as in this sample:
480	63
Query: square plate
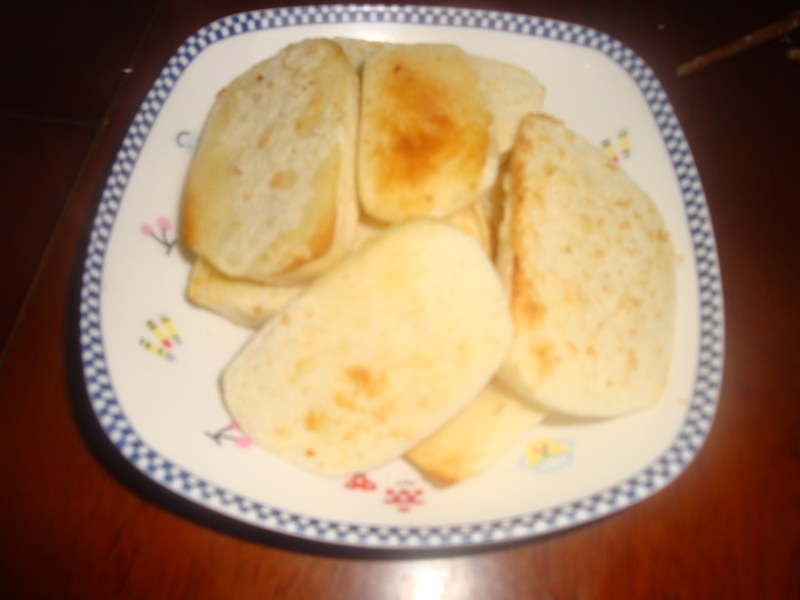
152	361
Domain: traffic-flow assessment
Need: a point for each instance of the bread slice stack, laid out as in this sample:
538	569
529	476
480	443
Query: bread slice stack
473	440
263	205
377	354
426	143
430	263
270	194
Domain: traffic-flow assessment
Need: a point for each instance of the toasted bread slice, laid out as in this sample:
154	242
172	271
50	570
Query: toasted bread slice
589	268
270	195
511	91
376	354
243	302
477	437
426	141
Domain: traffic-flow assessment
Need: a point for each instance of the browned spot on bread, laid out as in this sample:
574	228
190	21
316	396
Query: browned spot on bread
632	360
658	235
525	305
283	180
364	380
346	402
545	357
314	420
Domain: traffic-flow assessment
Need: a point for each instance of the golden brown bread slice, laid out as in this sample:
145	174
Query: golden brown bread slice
589	267
270	194
376	354
426	140
477	437
511	92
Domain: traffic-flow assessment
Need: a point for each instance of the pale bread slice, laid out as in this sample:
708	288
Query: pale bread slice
477	437
589	267
376	354
243	302
426	141
270	194
511	92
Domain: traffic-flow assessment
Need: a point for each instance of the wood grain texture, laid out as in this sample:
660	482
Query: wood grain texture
65	61
40	163
78	522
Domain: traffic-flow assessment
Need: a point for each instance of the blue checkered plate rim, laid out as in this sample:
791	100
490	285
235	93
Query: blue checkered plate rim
168	472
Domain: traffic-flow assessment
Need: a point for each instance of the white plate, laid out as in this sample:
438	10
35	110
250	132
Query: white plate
155	389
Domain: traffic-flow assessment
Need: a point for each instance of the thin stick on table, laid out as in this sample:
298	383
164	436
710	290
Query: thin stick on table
741	44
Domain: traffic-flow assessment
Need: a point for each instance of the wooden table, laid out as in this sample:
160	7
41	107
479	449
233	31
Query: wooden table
76	521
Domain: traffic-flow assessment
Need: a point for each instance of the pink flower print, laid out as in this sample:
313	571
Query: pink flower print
231	433
239	438
404	496
164	225
360	481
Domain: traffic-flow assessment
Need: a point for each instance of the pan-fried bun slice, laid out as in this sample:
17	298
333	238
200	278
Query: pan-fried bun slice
589	267
477	437
376	354
240	301
270	194
246	302
512	93
426	141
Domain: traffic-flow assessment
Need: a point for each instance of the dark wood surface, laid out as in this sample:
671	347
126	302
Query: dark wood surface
77	522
